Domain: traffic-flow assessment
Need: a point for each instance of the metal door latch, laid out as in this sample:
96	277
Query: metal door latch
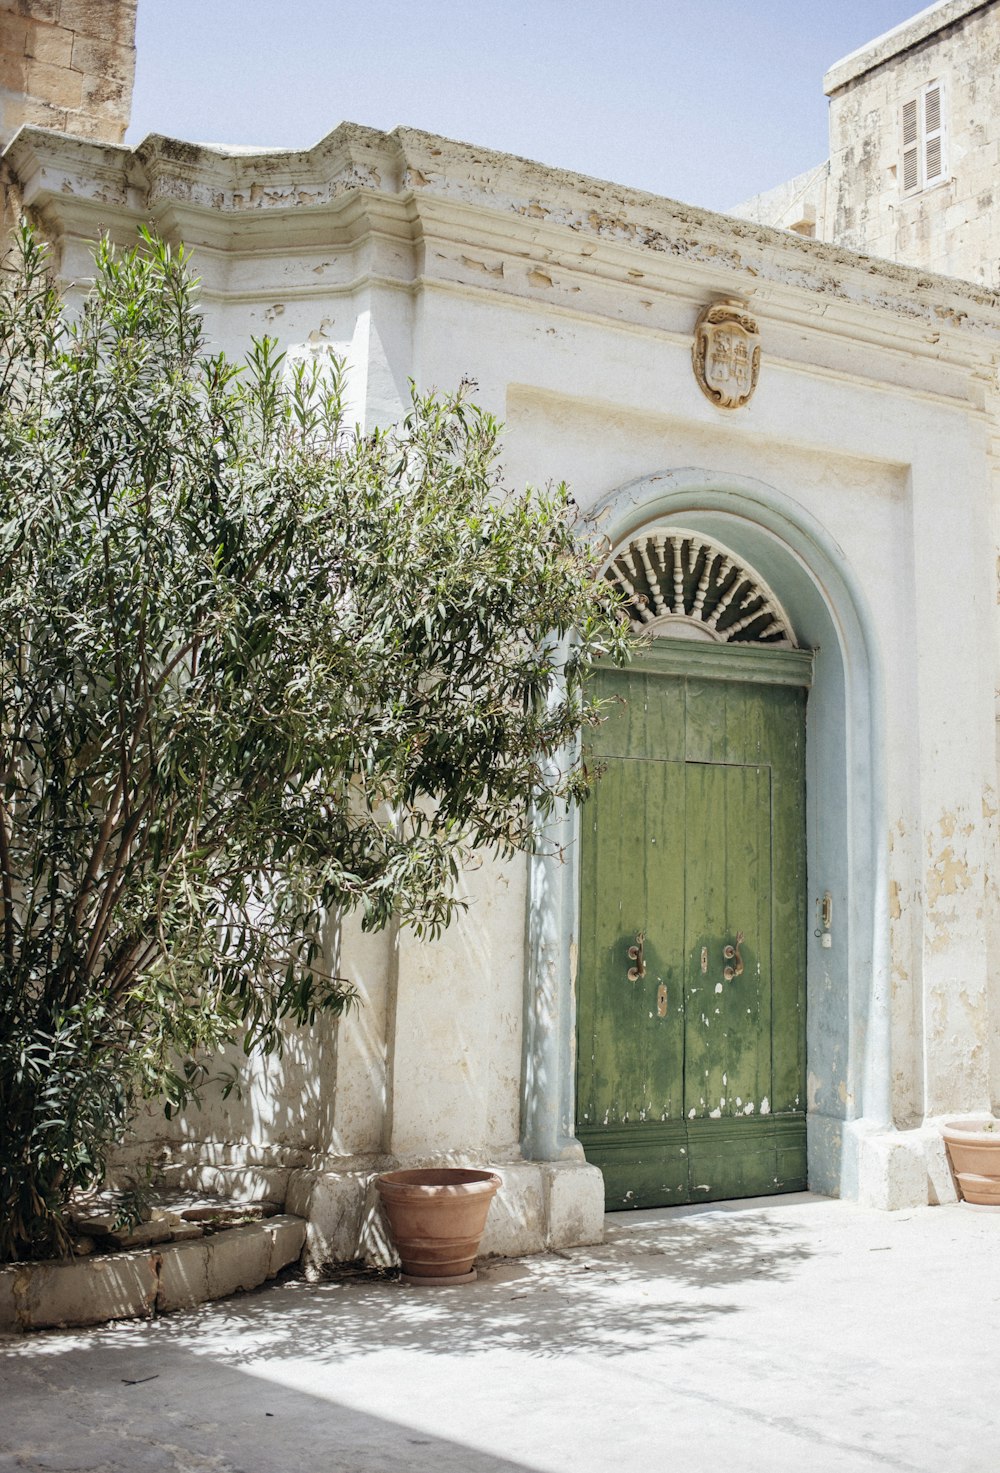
637	954
732	953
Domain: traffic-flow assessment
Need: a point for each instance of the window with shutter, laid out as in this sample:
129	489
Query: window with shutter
922	139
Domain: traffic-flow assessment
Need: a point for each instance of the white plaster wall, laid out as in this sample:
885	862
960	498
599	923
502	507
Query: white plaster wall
456	1030
901	481
991	802
872	415
431	1062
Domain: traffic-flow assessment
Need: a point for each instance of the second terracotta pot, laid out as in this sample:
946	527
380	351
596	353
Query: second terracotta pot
974	1153
437	1216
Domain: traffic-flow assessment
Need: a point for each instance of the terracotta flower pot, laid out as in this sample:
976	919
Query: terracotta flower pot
974	1153
437	1216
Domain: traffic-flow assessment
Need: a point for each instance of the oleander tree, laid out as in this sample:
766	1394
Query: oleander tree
255	667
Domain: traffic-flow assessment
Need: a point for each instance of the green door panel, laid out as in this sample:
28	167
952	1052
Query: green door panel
728	893
634	1056
691	1082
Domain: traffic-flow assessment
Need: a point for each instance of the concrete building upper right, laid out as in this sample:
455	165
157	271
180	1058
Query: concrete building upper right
914	167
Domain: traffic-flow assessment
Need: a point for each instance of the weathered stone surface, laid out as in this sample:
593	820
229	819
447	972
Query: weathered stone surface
127	1285
335	1205
575	1200
49	43
77	56
230	1212
35	12
17	111
102	58
515	1223
56	84
113	20
226	1183
12	70
891	1168
186	1232
102	97
287	1236
941	1182
95	1220
87	1291
857	198
9	1320
239	1258
183	1278
143	1235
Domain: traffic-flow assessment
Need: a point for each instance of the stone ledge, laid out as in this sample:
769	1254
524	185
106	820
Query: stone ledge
141	1283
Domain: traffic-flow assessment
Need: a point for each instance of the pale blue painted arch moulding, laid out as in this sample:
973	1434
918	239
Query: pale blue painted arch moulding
848	986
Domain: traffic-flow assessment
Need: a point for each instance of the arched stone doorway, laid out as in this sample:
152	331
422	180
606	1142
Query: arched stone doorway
847	1044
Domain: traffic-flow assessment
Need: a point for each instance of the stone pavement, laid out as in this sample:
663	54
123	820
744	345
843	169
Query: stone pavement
798	1333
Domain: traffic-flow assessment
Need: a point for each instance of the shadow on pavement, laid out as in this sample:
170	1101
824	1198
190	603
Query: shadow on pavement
611	1298
127	1407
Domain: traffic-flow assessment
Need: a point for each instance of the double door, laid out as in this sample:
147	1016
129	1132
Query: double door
691	987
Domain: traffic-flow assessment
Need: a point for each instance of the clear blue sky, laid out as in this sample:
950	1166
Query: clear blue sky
707	101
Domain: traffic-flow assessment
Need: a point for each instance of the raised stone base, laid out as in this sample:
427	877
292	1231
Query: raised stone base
892	1169
541	1204
144	1282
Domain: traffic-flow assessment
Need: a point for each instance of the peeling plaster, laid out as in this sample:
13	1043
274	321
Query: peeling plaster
949	874
475	265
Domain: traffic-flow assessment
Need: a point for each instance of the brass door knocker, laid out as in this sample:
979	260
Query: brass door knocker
731	953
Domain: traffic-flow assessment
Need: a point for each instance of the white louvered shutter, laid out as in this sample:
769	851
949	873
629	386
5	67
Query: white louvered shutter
933	134
911	145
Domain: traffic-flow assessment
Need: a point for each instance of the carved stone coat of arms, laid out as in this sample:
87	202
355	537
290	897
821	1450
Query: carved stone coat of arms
726	354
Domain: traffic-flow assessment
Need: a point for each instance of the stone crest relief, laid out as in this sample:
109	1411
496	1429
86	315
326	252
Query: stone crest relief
726	354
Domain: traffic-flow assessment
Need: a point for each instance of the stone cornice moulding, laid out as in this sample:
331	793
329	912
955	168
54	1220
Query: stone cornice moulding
418	190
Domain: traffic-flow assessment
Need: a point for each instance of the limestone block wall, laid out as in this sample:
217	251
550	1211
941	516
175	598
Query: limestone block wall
799	204
67	64
952	226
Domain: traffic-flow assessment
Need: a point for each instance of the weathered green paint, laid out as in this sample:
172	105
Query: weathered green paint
756	663
696	832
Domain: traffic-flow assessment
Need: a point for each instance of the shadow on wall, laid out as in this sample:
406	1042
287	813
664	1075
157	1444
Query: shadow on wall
247	1143
285	1110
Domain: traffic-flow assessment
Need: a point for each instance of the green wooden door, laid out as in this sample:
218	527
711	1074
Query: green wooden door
691	1076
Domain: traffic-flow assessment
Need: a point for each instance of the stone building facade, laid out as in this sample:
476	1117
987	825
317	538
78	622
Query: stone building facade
850	492
67	64
914	148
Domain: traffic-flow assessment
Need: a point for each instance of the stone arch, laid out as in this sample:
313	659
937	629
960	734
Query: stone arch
848	1045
